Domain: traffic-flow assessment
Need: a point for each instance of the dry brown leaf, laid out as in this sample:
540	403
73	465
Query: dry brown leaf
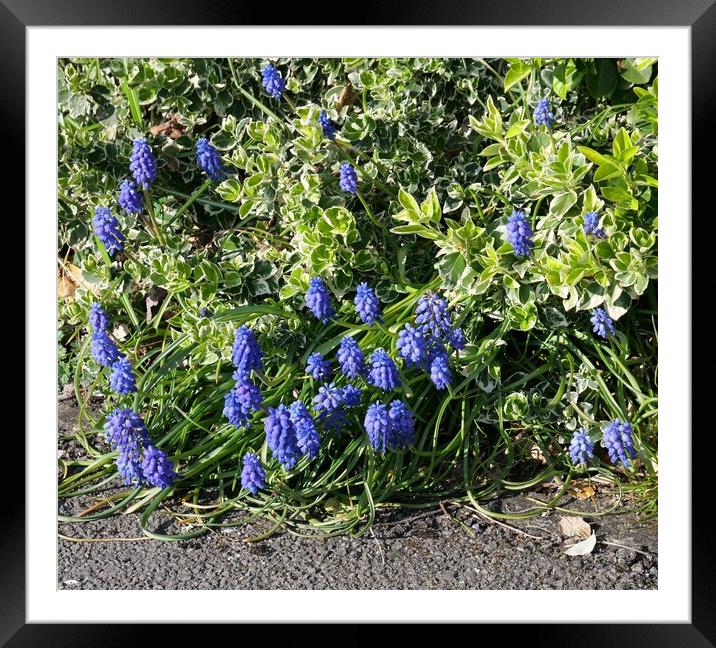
537	454
574	527
346	97
583	492
65	286
172	128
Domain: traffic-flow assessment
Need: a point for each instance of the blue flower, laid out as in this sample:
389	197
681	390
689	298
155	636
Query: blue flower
253	477
318	367
98	319
432	316
543	114
272	81
125	431
456	339
581	447
367	304
329	405
412	346
318	300
603	324
348	178
104	350
142	163
122	380
440	370
351	395
205	312
129	198
403	425
281	436
207	157
591	225
246	353
380	428
328	126
241	402
617	439
307	437
106	228
157	469
351	358
382	372
519	233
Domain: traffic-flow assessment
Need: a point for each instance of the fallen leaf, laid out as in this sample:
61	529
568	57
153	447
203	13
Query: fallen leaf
537	454
172	128
572	526
583	492
65	286
582	548
346	97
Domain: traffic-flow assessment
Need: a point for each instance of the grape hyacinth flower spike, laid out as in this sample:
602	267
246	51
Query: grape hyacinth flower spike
617	439
382	372
130	199
307	437
318	367
412	346
591	225
272	81
253	476
318	300
157	469
348	178
519	233
208	159
543	115
603	324
327	125
122	380
281	436
350	358
380	428
241	402
581	448
106	228
104	350
142	163
246	353
98	319
367	304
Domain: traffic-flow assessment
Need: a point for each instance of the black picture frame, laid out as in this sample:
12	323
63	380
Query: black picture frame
699	15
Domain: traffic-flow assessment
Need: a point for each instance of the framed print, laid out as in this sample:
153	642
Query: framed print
328	285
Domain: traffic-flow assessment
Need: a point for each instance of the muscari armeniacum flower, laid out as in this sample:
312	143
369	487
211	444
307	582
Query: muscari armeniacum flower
246	353
603	324
456	338
348	179
412	345
617	439
351	358
327	125
318	300
142	163
122	380
329	404
591	225
581	447
130	199
98	318
104	350
519	233
281	436
380	427
307	437
241	402
318	367
272	81
432	316
403	425
125	431
367	304
106	228
351	395
209	160
440	370
157	468
382	372
253	476
543	114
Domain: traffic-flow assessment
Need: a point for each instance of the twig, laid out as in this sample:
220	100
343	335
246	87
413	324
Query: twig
504	524
616	544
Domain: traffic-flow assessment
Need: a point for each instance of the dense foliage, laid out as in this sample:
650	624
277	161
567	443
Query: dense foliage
480	234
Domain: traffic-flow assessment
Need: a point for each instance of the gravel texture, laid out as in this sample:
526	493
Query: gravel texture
450	548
